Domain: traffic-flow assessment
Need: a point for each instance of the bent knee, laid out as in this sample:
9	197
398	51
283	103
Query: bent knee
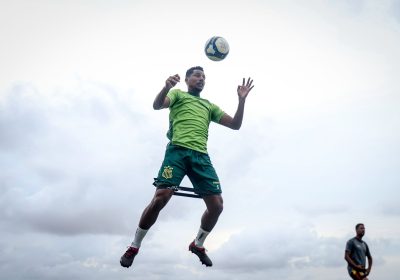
159	201
220	208
216	209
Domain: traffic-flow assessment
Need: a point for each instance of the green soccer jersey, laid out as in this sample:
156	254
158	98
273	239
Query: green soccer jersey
189	119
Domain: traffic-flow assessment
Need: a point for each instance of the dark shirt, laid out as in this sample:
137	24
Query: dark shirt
358	251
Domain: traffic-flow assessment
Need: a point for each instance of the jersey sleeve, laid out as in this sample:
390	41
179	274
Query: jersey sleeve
216	113
349	246
173	96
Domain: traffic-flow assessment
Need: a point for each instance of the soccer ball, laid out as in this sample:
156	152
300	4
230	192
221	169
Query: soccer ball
216	48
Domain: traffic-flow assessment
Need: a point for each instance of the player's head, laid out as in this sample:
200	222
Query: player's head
195	79
360	229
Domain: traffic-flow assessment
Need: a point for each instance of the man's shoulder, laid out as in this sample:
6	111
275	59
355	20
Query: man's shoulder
351	240
175	95
181	94
184	95
176	91
356	240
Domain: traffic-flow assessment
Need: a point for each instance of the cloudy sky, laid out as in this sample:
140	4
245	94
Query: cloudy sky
318	152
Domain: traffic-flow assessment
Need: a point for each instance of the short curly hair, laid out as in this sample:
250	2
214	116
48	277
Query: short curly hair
191	70
358	225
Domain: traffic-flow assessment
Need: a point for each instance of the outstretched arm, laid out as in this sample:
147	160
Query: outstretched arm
243	91
162	101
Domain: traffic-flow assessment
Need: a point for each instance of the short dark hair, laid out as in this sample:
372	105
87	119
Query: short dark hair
358	225
191	70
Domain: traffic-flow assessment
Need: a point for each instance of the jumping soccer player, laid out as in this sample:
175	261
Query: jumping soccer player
356	252
186	154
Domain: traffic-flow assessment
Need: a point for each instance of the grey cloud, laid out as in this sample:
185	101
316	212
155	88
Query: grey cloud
289	248
76	164
395	9
390	208
22	117
321	209
295	248
67	156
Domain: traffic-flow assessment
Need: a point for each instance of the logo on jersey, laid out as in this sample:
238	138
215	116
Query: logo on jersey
167	173
217	184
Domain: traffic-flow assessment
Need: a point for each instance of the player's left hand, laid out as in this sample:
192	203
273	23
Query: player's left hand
244	89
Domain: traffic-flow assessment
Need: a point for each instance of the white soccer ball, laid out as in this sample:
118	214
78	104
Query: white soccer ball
216	48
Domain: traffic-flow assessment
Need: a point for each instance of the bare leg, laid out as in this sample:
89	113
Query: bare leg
210	217
148	218
150	213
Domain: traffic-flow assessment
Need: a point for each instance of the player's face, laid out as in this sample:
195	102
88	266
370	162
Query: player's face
196	81
360	230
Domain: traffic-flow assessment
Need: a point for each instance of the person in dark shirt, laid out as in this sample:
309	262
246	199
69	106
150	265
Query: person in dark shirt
356	253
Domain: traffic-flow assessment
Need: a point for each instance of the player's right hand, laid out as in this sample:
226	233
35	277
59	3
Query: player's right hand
172	81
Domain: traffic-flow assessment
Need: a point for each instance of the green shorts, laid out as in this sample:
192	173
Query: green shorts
180	161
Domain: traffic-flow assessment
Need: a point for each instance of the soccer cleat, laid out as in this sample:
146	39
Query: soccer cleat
201	253
127	258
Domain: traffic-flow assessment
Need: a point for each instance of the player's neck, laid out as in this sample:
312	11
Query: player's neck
194	92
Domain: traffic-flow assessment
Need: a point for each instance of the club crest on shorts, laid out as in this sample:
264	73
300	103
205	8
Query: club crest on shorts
167	173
